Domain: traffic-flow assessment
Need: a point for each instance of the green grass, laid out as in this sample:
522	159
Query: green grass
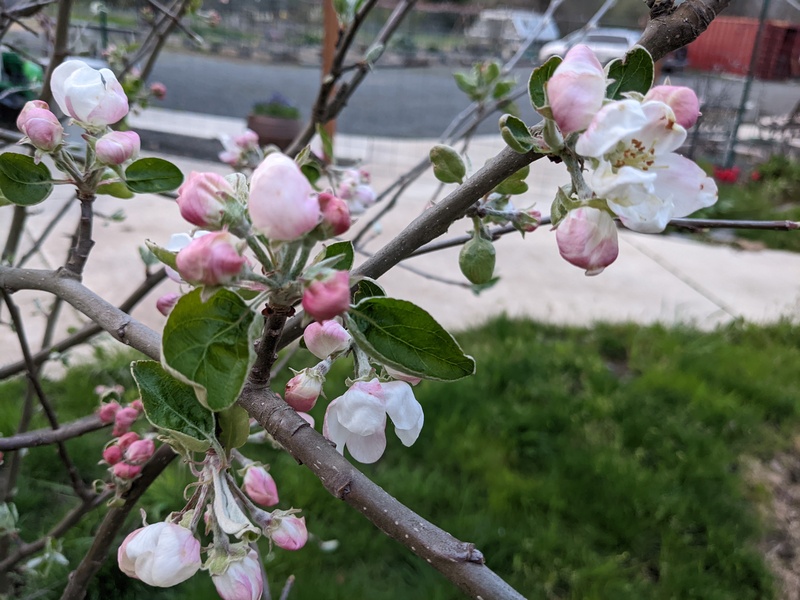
601	463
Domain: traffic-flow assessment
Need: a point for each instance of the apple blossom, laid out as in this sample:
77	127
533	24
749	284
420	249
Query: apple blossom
117	147
282	205
682	100
161	554
89	96
631	145
260	486
167	302
40	125
329	297
112	455
325	338
210	260
159	90
127	439
335	214
247	140
107	411
123	419
587	238
288	532
357	419
355	189
202	199
577	89
241	580
125	470
303	389
140	451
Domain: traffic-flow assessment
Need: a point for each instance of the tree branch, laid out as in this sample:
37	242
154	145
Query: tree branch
43	437
668	32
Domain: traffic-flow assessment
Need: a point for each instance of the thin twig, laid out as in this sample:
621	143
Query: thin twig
266	352
287	588
46	232
79	253
43	437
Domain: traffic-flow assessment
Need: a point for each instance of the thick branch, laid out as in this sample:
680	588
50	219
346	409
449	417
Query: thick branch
43	437
668	32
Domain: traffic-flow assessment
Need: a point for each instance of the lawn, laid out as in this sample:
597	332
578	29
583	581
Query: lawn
584	463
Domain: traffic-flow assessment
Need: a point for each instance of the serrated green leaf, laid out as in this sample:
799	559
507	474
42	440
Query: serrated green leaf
633	73
116	190
503	88
515	133
561	205
165	256
22	181
234	426
447	164
367	288
539	77
401	335
172	407
152	175
466	83
343	249
210	345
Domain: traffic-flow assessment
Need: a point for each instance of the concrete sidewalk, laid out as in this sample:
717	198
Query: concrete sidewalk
667	279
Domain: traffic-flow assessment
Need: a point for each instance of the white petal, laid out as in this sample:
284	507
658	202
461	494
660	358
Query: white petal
684	184
615	122
60	75
410	435
649	215
662	133
360	411
332	429
402	406
367	449
623	185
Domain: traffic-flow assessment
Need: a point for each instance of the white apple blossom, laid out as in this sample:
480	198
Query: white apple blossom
632	146
89	96
162	554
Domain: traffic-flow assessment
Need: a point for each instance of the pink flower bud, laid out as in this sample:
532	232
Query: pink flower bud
124	470
260	486
210	260
587	238
327	298
167	302
107	411
247	141
242	580
577	89
159	90
138	406
91	97
127	439
117	147
282	205
302	390
112	455
229	157
161	554
289	532
202	199
682	100
123	419
326	338
40	125
335	214
140	451
400	376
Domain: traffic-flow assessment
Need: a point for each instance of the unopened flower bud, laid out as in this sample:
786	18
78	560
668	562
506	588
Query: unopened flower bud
229	157
107	411
159	90
117	147
137	406
327	298
125	470
140	451
587	238
123	419
89	96
260	486
326	338
577	89
303	389
247	140
289	532
202	199
127	439
242	580
477	259
167	302
335	214
210	260
161	554
112	455
682	100
40	125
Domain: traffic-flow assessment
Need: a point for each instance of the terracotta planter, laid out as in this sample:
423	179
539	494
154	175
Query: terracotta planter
273	130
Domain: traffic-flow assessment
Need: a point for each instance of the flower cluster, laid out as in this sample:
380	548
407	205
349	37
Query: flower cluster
355	189
630	144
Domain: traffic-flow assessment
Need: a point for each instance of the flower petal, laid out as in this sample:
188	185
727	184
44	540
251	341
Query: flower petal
409	436
684	184
614	123
402	406
369	448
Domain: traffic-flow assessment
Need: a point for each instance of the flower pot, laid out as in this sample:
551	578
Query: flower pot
274	130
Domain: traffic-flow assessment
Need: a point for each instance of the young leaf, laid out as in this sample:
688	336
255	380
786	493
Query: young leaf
327	142
152	175
165	256
22	181
633	73
447	164
515	183
172	407
515	133
401	335
116	189
367	288
343	249
210	345
234	425
538	78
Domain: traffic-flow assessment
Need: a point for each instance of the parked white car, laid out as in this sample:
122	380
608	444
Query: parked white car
607	43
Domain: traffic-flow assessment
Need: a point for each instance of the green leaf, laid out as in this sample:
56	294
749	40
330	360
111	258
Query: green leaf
22	181
633	73
343	249
234	425
309	165
447	164
539	78
116	189
165	256
210	345
503	88
466	83
515	183
367	288
401	335
172	407
562	204
327	142
490	72
515	133
152	175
